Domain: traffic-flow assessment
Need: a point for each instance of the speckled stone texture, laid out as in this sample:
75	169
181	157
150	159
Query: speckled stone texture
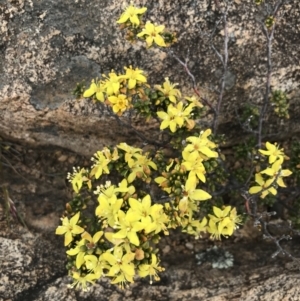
28	262
46	46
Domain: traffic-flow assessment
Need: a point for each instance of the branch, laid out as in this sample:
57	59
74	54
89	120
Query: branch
269	36
187	70
224	61
138	133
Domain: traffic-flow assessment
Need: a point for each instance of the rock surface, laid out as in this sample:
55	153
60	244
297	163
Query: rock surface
48	46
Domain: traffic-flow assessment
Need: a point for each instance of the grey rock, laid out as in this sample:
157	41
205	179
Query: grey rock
28	263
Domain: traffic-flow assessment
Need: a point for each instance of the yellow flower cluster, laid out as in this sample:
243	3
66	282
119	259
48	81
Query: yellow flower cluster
223	222
191	171
116	90
270	178
175	116
115	251
198	150
117	248
179	113
150	32
138	164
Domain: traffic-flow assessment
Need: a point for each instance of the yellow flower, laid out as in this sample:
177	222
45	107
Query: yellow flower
163	183
80	250
111	156
85	246
132	13
98	88
122	267
124	188
190	195
273	152
140	167
153	34
186	207
128	224
151	269
140	207
112	84
163	180
264	186
139	164
214	230
109	205
150	225
96	264
202	145
226	227
175	116
236	219
277	173
119	103
220	215
92	241
130	152
122	280
118	241
69	228
100	165
196	194
195	227
193	163
142	210
82	281
223	222
77	179
169	90
194	101
159	218
134	76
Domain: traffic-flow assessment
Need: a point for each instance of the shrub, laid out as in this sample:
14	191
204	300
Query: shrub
128	198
